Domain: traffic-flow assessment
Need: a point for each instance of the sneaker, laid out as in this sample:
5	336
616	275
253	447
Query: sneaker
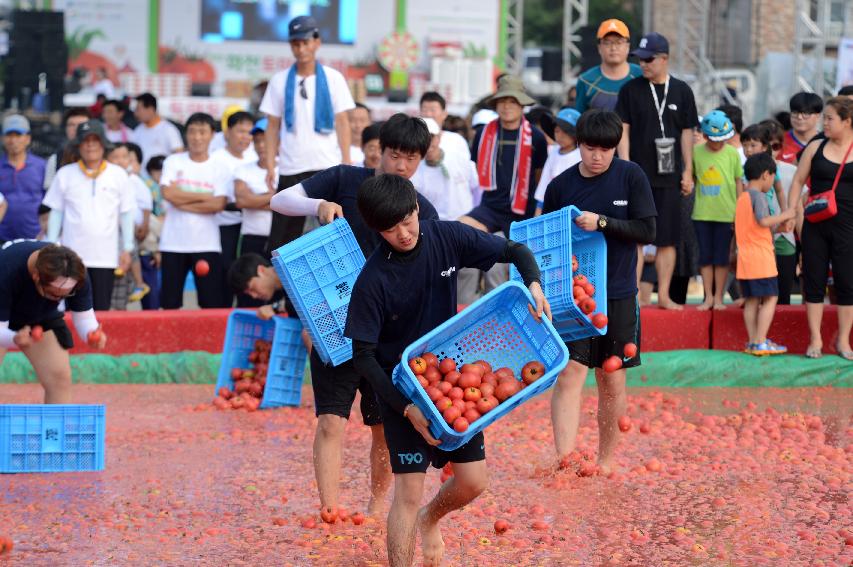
138	293
768	348
776	348
749	348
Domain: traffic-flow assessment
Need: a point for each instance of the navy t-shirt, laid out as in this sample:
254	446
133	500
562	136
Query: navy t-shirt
339	184
399	298
20	302
498	200
621	192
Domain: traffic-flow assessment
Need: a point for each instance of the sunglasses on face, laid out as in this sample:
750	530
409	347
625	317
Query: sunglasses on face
648	60
302	92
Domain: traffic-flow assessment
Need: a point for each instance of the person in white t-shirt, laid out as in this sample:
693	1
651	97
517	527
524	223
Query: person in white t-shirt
359	119
238	151
253	197
112	114
434	106
218	141
194	190
89	200
449	181
562	156
154	135
102	85
307	107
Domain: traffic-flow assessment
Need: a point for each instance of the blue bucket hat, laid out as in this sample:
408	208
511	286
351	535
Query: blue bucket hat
260	126
717	126
567	120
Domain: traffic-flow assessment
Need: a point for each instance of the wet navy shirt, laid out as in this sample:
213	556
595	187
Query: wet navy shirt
395	300
20	303
621	192
339	184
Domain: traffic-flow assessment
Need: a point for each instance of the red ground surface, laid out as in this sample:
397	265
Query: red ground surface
740	484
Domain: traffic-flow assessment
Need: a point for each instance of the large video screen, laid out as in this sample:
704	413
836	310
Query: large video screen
266	20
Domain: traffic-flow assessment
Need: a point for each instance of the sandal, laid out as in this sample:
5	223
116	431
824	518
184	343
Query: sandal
845	354
813	352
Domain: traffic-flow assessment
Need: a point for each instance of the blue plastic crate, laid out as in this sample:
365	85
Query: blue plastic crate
318	271
499	329
51	438
287	357
554	238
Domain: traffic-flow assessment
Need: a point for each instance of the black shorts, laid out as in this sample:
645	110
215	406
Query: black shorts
335	388
715	241
623	327
761	287
668	205
494	221
410	453
61	330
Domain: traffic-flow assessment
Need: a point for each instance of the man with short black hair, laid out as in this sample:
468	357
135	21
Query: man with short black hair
434	106
307	108
658	116
805	113
154	135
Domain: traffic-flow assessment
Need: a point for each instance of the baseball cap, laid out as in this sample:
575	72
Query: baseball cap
432	126
91	127
16	123
613	26
260	126
650	45
302	27
717	126
567	120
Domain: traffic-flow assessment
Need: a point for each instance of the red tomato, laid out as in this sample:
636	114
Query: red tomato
501	526
94	338
474	369
418	365
460	424
252	404
432	374
490	378
532	371
343	515
329	515
487	389
236	373
486	404
443	403
248	374
504	372
470	405
256	389
624	424
456	393
221	403
452	377
6	545
469	380
587	305
630	350
578	293
447	365
451	414
241	386
202	268
430	359
357	519
486	366
574	263
471	415
434	393
506	389
589	289
422	381
277	521
580	279
309	523
238	402
444	387
540	525
472	394
37	333
599	320
460	404
612	364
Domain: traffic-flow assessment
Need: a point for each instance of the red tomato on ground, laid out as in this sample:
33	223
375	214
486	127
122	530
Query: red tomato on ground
624	424
501	526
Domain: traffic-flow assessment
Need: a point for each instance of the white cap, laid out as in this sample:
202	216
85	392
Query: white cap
483	116
432	126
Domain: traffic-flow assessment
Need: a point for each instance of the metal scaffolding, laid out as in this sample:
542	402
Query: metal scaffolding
514	37
575	16
810	46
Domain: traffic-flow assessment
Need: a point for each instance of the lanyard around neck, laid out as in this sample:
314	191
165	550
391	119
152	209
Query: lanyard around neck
660	105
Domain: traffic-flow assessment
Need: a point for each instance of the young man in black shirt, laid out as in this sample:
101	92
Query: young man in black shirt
406	289
658	115
616	200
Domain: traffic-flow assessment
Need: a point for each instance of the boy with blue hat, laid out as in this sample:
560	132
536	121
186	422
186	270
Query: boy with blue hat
563	156
718	173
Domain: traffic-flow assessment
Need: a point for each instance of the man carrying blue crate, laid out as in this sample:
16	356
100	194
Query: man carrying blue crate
34	278
406	289
616	200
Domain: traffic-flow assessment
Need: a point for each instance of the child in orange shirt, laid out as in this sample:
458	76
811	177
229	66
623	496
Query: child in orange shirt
756	260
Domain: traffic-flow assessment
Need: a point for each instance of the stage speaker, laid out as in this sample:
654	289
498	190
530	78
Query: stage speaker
36	46
552	64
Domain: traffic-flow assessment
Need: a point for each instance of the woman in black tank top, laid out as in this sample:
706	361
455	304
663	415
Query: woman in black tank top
828	243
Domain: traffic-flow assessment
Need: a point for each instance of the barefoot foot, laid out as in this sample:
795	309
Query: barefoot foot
432	545
705	306
719	306
670	304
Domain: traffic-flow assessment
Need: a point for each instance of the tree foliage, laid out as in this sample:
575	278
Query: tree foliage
543	19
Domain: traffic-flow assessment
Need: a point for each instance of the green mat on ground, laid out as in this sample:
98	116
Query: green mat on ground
678	368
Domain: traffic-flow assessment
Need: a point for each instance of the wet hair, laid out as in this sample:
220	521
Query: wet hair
369	134
756	133
116	103
155	164
432	96
405	133
135	150
843	106
240	116
599	128
75	111
757	164
735	114
386	199
201	118
147	100
806	102
243	270
55	261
